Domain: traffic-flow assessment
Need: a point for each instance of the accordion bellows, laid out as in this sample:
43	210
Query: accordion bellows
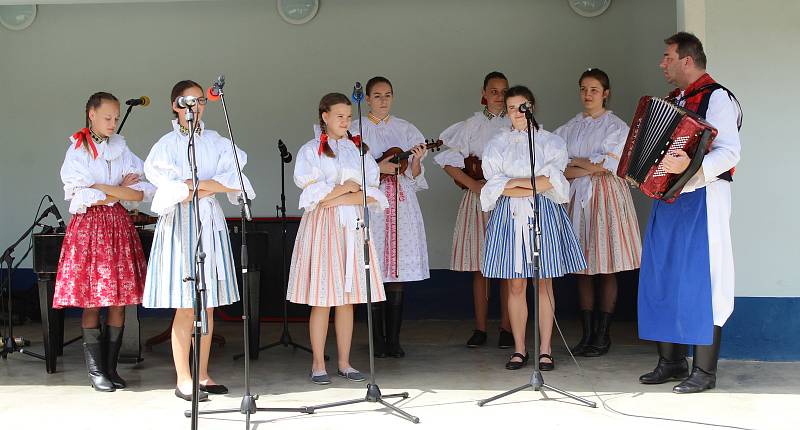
660	127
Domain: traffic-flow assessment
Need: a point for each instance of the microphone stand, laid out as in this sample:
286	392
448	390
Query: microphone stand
286	337
373	391
125	118
8	343
198	277
537	380
248	405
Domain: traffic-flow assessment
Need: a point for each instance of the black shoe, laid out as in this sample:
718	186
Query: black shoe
214	389
515	365
93	353
188	397
601	340
666	371
546	366
478	339
114	343
587	323
505	340
697	382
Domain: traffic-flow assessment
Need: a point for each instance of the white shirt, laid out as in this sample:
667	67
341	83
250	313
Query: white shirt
317	174
507	157
167	166
114	160
469	137
389	133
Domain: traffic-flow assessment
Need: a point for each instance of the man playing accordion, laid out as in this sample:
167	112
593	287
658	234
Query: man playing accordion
686	280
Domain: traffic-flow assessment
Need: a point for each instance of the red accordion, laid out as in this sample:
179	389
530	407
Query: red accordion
661	127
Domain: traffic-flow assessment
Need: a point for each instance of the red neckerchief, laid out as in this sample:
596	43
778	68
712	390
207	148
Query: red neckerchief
82	134
323	141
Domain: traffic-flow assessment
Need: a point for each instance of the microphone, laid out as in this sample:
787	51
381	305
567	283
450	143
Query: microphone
53	209
358	92
185	101
286	157
141	101
525	107
215	90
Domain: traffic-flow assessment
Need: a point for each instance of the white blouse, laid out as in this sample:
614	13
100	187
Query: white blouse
167	166
114	160
390	133
469	137
317	174
506	157
601	140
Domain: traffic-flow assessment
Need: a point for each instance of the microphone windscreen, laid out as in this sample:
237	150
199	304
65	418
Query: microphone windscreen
212	96
145	101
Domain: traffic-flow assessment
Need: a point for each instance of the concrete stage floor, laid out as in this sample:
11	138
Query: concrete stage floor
443	377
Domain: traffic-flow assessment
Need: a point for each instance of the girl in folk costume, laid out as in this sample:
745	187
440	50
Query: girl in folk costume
601	208
172	257
508	193
399	232
466	141
102	262
328	262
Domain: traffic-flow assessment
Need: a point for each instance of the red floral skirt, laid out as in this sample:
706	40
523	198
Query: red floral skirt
102	262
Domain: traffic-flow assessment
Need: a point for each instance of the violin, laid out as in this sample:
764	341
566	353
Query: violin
398	156
473	169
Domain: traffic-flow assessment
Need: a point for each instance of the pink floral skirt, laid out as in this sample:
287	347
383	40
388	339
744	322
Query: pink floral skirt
102	262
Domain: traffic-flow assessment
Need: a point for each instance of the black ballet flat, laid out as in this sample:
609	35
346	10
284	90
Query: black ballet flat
188	397
546	366
214	389
515	365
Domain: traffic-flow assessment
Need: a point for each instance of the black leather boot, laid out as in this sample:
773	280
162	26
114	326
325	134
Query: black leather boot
704	367
588	329
394	319
93	353
601	341
378	336
671	366
114	338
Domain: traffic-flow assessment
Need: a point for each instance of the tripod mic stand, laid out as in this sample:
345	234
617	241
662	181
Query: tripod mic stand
248	404
537	380
374	394
8	343
286	337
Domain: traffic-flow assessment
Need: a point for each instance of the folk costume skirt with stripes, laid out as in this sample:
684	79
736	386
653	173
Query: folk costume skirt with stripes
102	262
328	260
606	225
469	234
172	258
507	251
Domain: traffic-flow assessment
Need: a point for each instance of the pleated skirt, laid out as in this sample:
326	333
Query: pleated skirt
328	268
469	234
560	251
102	262
607	228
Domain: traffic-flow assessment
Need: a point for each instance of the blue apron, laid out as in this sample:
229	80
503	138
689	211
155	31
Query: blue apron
675	275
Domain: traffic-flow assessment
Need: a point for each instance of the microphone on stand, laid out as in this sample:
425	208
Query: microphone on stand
358	92
286	156
185	101
215	90
53	209
141	101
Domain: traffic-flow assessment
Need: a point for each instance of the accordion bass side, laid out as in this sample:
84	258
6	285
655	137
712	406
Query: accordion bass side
660	127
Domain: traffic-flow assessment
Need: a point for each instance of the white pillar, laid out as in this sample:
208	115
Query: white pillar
692	17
